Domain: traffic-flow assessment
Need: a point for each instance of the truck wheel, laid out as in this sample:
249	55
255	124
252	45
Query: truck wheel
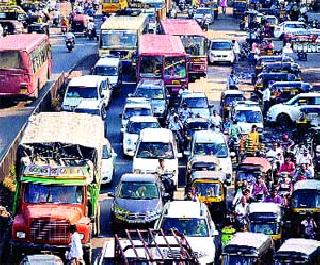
87	255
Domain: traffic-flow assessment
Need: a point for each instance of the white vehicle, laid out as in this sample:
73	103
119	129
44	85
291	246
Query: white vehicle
221	51
288	112
192	219
132	132
155	144
110	67
209	142
135	106
197	103
246	114
290	28
87	88
202	12
108	163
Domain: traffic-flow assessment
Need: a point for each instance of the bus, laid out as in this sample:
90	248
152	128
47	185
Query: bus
194	41
25	65
119	37
163	57
112	6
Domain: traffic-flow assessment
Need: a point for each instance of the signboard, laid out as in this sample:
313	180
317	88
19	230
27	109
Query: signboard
49	171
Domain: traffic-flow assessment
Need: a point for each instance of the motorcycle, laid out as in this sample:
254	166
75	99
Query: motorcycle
70	44
205	24
168	183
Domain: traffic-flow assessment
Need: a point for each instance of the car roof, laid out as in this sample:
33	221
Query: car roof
264	207
299	245
289	82
233	92
205	136
293	22
86	81
308	184
109	61
209	174
185	209
151	82
138	177
205	159
143	119
247	105
248	239
137	106
156	135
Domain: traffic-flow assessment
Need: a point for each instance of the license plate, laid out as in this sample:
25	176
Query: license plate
23	90
175	82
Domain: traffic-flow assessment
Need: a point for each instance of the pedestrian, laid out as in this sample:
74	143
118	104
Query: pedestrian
236	50
232	81
223	4
266	100
75	255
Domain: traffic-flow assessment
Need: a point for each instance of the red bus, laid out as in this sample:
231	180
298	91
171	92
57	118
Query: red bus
163	57
25	65
194	41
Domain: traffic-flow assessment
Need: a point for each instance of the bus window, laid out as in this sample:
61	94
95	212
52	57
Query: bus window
175	67
10	60
150	66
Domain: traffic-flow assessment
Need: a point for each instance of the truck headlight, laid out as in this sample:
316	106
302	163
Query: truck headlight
21	235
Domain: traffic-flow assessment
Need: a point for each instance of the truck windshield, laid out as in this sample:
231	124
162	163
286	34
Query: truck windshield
140	190
151	66
264	228
105	71
154	93
196	102
217	149
155	150
192	227
208	189
82	92
36	193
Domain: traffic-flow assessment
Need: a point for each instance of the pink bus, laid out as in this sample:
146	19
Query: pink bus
194	41
163	57
25	65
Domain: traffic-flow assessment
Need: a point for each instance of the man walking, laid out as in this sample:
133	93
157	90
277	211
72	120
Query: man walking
232	81
266	100
75	255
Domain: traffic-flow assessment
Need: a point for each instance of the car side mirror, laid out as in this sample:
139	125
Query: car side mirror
186	153
111	194
179	155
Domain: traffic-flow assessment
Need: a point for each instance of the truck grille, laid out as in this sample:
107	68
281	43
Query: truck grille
50	231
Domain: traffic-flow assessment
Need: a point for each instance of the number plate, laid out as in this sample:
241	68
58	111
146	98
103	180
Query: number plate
23	91
175	82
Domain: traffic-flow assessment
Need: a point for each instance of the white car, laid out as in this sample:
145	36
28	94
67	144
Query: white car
135	106
203	11
289	28
155	144
193	219
108	163
221	51
288	112
245	114
132	131
197	103
87	88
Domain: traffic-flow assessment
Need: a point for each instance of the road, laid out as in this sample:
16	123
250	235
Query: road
13	115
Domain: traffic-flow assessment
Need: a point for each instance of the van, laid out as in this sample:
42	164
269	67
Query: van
110	67
155	144
87	88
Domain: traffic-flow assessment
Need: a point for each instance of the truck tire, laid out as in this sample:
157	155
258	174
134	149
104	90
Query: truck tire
87	255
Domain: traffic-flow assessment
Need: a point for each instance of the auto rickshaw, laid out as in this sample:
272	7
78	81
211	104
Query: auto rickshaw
251	18
250	168
211	189
266	218
79	23
39	28
305	198
227	98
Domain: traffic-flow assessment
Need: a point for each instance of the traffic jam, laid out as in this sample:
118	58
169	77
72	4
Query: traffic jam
174	142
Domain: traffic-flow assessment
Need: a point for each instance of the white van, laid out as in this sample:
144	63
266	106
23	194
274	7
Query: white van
209	142
155	144
87	88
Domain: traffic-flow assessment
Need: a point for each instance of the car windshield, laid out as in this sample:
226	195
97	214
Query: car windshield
233	98
203	11
154	93
306	199
155	150
199	125
151	66
136	127
194	45
221	46
36	193
203	166
188	226
175	67
264	228
139	190
238	260
296	26
119	38
216	149
248	116
130	112
207	189
196	102
105	71
89	111
82	92
250	177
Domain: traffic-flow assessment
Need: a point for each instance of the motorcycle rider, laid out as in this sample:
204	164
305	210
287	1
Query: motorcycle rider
287	143
309	227
70	38
287	166
175	125
215	121
260	190
234	132
91	28
241	212
184	113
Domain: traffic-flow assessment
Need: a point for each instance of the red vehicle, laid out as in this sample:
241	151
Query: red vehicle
163	56
25	64
194	42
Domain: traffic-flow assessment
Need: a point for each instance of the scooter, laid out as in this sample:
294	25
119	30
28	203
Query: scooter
70	44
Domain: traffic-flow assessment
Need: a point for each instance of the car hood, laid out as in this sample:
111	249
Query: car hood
61	212
132	137
140	206
151	165
75	101
205	248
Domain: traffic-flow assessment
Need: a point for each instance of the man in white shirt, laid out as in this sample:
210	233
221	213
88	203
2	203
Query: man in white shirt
215	120
266	100
75	255
232	81
236	50
241	212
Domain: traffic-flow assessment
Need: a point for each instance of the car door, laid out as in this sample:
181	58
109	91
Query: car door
108	158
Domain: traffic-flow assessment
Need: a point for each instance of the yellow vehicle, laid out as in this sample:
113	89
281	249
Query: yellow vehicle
119	37
112	6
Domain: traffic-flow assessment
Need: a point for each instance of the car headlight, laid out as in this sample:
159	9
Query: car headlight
119	210
21	235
